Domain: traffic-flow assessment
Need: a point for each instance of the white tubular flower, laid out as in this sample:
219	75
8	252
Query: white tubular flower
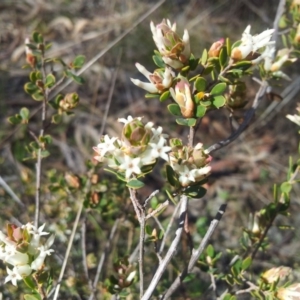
251	43
12	276
158	81
23	270
160	150
185	175
36	234
38	262
17	258
107	145
131	166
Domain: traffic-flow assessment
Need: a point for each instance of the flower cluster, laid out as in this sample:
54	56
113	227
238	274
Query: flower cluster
250	44
190	164
174	50
23	251
137	151
175	53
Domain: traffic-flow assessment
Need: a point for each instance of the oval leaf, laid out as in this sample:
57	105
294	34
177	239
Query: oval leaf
30	88
38	96
223	57
201	110
171	176
218	88
165	96
174	109
135	184
219	101
195	191
204	57
78	61
24	113
200	84
158	61
50	80
286	187
246	263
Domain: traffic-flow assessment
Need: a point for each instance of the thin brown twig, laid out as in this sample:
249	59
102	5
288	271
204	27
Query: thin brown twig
141	215
38	164
249	114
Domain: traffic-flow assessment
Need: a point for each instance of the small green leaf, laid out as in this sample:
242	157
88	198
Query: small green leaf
200	84
243	65
181	121
14	120
38	96
50	80
46	139
208	70
135	184
29	282
195	191
210	251
206	103
201	110
174	109
78	61
37	37
246	263
45	153
228	47
219	101
32	297
77	79
218	88
189	277
164	96
158	60
223	57
286	187
171	176
191	122
150	96
30	88
56	119
148	229
224	79
24	113
204	57
35	75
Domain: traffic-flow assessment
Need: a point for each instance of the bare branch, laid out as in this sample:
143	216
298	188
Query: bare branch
196	253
